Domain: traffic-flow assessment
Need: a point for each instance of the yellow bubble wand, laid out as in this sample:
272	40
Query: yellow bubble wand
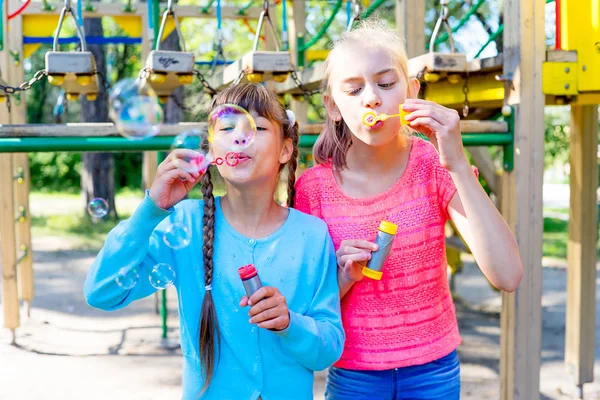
371	117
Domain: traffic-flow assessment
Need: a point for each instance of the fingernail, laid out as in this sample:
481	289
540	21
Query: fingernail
249	302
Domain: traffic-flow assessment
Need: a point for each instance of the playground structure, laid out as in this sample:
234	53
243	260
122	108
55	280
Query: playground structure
516	84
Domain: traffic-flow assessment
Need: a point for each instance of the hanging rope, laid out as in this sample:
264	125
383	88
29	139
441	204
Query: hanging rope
284	28
219	55
1	25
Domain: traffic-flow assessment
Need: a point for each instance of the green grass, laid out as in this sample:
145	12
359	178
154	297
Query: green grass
81	233
556	235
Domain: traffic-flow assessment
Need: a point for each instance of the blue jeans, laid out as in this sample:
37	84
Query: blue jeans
437	380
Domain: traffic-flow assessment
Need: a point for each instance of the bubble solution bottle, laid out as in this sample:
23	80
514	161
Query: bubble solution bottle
250	279
385	238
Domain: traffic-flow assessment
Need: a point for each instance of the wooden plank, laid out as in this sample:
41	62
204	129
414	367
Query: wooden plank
581	250
21	161
310	77
410	24
486	167
561	56
96	129
107	129
437	62
521	202
10	295
486	64
116	9
8	262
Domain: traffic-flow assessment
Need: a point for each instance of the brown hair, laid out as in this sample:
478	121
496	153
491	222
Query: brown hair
333	143
257	99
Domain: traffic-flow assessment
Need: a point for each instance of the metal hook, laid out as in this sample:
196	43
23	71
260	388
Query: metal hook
265	14
79	28
443	19
163	23
356	11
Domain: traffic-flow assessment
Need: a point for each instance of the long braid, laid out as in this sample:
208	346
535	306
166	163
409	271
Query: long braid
209	325
292	165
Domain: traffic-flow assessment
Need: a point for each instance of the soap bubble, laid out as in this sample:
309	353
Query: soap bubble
177	236
98	207
136	115
162	275
231	127
127	279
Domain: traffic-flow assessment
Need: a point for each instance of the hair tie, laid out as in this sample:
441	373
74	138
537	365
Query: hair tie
291	116
208	288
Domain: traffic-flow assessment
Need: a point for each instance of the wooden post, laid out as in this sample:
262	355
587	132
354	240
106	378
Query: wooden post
21	161
410	24
581	250
521	201
10	292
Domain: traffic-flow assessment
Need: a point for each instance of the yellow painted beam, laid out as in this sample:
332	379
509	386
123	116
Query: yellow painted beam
484	91
580	31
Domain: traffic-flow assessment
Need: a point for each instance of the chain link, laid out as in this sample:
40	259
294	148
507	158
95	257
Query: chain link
466	103
308	94
207	88
25	85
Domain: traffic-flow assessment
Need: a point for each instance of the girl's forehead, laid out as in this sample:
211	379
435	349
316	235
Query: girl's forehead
361	60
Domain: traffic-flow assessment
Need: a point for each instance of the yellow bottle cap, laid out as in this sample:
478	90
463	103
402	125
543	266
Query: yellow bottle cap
388	227
403	115
369	273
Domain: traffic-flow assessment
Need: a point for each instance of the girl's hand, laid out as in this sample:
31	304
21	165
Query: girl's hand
269	309
441	125
175	177
352	256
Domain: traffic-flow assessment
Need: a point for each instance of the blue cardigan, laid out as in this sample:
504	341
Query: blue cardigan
298	259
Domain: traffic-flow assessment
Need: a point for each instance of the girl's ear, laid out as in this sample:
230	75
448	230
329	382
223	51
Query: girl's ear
286	151
413	88
332	110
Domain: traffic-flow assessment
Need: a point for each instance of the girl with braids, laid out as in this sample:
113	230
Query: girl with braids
233	347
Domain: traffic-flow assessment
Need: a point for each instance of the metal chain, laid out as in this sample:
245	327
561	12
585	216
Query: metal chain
308	94
38	76
239	78
466	103
207	88
105	83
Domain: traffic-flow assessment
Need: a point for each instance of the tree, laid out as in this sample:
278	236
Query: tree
97	175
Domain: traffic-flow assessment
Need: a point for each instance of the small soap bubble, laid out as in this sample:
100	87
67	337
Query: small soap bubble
176	236
162	275
127	279
98	207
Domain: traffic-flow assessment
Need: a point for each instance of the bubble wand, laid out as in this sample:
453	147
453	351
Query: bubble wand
371	117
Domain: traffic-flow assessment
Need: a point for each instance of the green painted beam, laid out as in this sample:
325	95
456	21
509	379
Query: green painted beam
115	144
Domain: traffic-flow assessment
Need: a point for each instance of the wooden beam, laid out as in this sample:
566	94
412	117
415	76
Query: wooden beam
581	250
521	201
116	10
21	163
96	129
486	166
8	262
410	24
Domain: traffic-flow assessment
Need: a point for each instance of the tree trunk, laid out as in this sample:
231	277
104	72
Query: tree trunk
97	175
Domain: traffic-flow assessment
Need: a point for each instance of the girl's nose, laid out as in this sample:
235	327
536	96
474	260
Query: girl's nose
371	97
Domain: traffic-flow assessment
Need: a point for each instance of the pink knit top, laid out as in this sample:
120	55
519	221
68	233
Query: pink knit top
408	317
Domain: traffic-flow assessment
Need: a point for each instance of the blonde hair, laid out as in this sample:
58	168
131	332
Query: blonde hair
335	140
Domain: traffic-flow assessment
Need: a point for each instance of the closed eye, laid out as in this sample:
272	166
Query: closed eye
387	85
